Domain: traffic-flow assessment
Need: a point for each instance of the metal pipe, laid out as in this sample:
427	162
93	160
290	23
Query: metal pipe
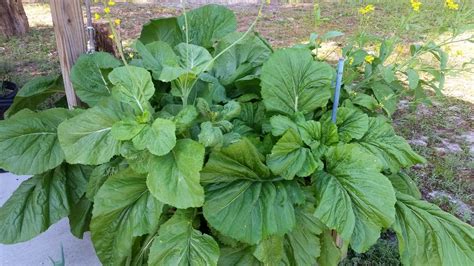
337	93
90	29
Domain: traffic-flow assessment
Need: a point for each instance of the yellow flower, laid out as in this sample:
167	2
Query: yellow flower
459	53
415	4
369	59
96	16
351	61
451	5
107	10
111	3
111	36
399	48
367	9
131	55
117	21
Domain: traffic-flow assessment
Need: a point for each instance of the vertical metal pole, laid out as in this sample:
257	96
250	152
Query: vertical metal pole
337	93
90	30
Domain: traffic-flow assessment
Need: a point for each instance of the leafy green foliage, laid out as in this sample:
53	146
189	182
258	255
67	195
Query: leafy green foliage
202	26
95	67
41	201
117	219
376	85
174	178
428	235
32	140
178	243
87	139
352	184
212	149
391	150
293	82
290	157
303	244
35	93
243	200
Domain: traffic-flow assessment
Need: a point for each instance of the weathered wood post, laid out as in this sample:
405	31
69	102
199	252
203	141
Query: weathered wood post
70	36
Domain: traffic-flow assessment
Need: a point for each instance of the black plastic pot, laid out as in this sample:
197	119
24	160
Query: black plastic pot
7	100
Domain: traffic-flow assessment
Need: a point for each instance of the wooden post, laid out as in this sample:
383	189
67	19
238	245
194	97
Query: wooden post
70	36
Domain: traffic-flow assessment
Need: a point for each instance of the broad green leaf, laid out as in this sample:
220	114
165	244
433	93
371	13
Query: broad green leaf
40	85
250	211
404	184
358	56
429	236
224	240
280	124
181	83
239	161
171	73
174	178
210	135
413	78
242	201
124	209
162	29
132	85
87	138
184	120
302	245
318	136
365	100
126	130
178	243
138	160
386	97
291	157
101	173
351	123
211	89
391	150
192	61
80	217
34	93
40	202
270	250
238	256
293	82
388	73
159	138
193	58
241	60
89	76
231	110
386	48
330	254
156	56
205	25
252	116
353	197
29	141
208	24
